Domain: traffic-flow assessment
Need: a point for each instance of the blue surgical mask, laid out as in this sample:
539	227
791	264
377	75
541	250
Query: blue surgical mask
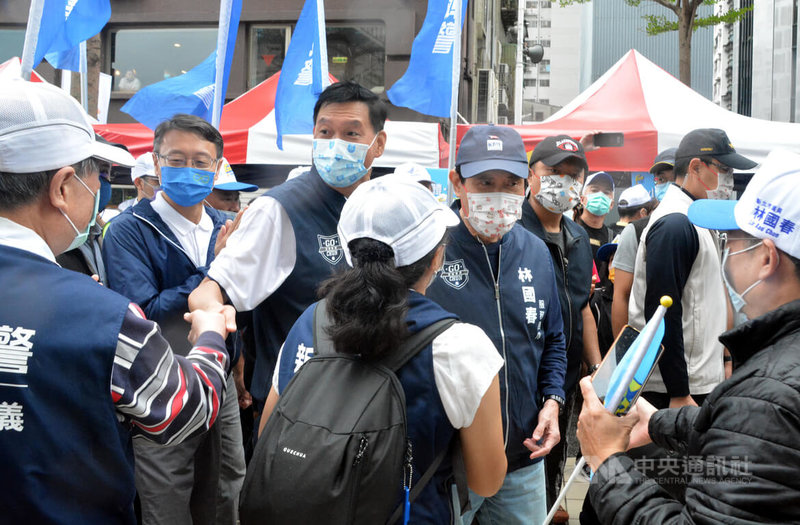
661	190
340	163
81	236
598	203
737	299
105	193
186	186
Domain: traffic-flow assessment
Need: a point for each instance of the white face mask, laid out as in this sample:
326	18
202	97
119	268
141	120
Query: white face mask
737	299
724	190
493	214
559	193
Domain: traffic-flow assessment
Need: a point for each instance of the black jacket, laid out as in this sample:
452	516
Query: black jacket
574	281
743	443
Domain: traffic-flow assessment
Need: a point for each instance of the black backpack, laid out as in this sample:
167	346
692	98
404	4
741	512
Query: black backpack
335	449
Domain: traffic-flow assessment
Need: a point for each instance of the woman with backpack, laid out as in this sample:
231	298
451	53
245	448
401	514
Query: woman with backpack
393	234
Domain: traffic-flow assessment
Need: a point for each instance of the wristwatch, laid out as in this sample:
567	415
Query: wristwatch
593	368
558	399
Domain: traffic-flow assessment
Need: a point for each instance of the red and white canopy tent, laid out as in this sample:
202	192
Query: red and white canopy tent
248	128
12	68
654	110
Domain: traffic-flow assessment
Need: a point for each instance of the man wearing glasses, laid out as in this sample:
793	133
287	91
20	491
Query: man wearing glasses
156	253
143	175
681	260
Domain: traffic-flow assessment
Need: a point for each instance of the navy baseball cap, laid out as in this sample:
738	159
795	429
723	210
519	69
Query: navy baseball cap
712	142
664	161
558	148
492	147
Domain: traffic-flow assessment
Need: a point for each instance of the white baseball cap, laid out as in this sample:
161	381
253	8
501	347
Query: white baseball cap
769	207
227	180
600	175
43	128
396	211
144	166
634	196
413	171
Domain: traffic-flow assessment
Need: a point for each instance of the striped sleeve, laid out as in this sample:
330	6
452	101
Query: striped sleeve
168	398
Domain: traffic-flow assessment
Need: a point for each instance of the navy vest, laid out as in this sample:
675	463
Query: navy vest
518	316
65	456
429	429
313	208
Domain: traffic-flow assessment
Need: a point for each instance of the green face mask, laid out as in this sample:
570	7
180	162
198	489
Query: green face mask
598	203
81	236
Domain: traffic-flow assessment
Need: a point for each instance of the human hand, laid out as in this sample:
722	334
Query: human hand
245	399
225	232
686	401
205	321
601	433
587	141
640	435
546	434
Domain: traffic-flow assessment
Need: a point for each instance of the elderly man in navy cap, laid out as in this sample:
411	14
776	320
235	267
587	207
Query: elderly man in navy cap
499	276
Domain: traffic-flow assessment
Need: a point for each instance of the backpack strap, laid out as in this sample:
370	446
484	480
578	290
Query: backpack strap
415	343
323	345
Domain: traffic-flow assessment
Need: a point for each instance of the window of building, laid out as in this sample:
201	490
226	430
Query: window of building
133	52
355	52
533	23
11	42
544	101
268	45
545	82
545	43
538	116
546	4
529	82
532	4
545	23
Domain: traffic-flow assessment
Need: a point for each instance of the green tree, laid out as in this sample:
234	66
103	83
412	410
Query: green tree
686	24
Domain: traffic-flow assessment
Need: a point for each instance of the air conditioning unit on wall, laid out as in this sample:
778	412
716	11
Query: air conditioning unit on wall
487	97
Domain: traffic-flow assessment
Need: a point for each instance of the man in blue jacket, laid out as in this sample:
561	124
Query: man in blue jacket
156	253
499	277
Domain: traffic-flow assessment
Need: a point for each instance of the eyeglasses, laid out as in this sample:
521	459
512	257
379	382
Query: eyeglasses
202	162
724	240
151	181
723	170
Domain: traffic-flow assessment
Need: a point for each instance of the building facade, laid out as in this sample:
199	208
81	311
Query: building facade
775	66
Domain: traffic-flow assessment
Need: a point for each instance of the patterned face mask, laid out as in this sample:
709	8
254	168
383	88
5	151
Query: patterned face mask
559	193
340	163
494	214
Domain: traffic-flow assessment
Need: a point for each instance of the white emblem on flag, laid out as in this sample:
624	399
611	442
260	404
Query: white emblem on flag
206	95
69	7
306	76
447	32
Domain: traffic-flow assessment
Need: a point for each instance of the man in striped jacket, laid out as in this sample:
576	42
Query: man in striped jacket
81	369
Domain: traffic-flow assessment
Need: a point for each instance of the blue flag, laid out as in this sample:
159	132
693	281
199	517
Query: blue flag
426	85
192	92
304	74
69	59
66	23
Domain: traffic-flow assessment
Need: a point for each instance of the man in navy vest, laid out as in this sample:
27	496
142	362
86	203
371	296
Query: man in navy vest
558	167
500	277
286	243
81	369
156	253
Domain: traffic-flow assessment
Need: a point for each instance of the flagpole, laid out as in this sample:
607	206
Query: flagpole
612	402
225	7
31	37
84	70
454	96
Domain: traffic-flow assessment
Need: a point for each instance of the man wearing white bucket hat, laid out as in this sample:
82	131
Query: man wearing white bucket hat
743	443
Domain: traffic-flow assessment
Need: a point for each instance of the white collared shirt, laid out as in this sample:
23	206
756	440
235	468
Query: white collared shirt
17	236
194	238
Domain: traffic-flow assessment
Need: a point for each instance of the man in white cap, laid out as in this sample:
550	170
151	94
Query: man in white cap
81	369
634	203
225	195
143	175
743	443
